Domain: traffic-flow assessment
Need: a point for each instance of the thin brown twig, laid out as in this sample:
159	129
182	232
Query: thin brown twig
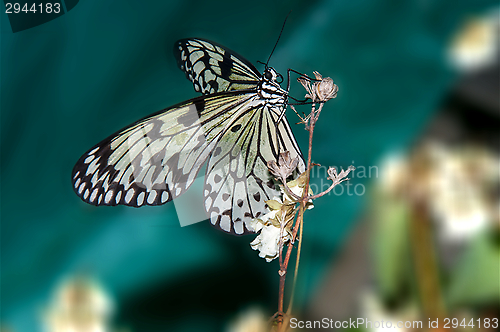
289	191
320	92
329	189
296	272
298	224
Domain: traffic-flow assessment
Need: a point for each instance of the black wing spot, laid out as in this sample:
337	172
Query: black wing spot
236	128
240	203
225	196
217	151
217	178
187	119
256	196
200	104
214	85
225	67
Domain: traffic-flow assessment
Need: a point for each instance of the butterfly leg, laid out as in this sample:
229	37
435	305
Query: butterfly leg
289	70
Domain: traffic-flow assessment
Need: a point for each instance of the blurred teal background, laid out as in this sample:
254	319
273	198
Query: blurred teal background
71	82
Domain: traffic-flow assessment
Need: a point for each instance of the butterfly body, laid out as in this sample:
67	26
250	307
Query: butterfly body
234	128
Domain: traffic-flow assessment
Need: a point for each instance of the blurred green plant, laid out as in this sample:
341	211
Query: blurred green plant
419	210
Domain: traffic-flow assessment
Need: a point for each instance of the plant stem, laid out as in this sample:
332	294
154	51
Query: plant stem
425	263
298	224
299	247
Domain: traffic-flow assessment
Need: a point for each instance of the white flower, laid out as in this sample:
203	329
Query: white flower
278	222
297	187
250	320
80	305
258	223
267	242
459	189
373	310
476	44
456	184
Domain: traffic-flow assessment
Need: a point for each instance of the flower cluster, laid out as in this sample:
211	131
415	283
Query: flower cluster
277	224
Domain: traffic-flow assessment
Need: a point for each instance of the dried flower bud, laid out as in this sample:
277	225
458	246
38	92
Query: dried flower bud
285	166
320	91
338	178
285	161
332	173
326	89
273	168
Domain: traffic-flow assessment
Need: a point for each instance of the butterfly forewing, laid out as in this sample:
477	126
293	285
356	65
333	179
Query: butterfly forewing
156	159
213	68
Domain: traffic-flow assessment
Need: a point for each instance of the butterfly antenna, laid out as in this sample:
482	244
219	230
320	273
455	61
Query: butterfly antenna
282	28
262	63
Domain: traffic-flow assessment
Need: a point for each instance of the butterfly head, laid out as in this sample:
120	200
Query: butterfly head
272	75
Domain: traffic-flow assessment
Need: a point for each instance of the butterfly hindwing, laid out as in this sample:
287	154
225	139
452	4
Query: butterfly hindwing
214	68
237	182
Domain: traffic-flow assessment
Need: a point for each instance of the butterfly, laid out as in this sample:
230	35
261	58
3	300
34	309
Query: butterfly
234	128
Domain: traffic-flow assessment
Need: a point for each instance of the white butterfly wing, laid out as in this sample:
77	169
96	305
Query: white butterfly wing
156	159
237	182
214	68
